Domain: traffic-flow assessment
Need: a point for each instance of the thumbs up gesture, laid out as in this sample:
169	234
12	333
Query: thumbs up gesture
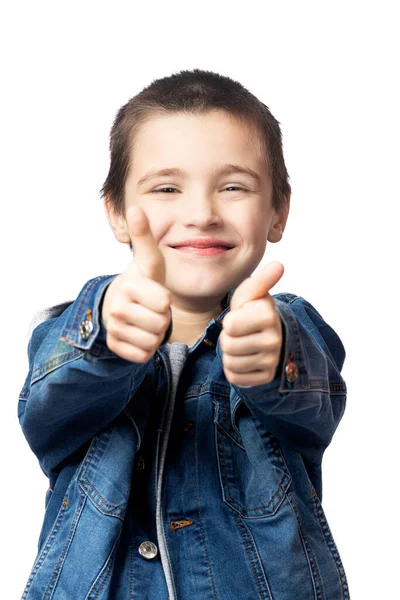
136	305
251	336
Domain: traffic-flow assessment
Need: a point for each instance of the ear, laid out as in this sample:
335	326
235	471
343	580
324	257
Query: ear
117	222
278	223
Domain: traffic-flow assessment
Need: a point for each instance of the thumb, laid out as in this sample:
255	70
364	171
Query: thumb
147	255
257	286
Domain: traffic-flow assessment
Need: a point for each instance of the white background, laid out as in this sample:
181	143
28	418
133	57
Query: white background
329	73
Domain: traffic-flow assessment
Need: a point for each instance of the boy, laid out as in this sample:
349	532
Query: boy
178	409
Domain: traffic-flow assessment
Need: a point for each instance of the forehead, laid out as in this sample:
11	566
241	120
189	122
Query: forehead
206	140
212	120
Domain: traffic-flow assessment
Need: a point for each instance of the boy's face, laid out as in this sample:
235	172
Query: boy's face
200	202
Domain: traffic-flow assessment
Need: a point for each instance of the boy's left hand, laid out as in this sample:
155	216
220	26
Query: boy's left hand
251	336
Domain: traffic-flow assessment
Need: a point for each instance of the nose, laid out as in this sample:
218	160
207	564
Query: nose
199	210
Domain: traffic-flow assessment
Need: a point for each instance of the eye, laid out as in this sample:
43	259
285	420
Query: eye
230	187
162	190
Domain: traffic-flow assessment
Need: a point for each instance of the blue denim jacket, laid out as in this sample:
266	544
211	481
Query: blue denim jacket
165	480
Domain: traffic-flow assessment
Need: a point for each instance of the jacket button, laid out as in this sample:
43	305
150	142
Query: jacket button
85	329
148	550
291	371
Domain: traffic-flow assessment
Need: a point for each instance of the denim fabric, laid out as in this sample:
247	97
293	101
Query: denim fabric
225	481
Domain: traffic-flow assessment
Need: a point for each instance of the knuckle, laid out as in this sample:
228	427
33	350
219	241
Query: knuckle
164	307
227	322
151	343
116	310
109	341
115	329
135	354
144	355
112	342
265	322
125	285
276	341
266	365
266	319
269	376
271	341
226	344
166	303
112	325
234	378
165	323
135	357
139	355
112	315
228	362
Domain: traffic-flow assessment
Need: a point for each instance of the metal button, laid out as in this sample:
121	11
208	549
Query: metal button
158	360
85	329
148	550
291	371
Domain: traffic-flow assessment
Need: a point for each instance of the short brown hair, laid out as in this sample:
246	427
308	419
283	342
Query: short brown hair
197	92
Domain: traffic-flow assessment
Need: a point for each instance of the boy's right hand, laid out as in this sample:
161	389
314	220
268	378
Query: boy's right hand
136	305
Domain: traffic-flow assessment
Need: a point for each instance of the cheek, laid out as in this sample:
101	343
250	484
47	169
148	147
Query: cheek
254	230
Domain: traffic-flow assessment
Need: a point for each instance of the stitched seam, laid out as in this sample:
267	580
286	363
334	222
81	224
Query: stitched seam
85	466
49	363
131	565
105	579
318	593
107	569
198	502
51	586
224	432
112	506
102	510
323	523
240	524
227	424
46	548
54	363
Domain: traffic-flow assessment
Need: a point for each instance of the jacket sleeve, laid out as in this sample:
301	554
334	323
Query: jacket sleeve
75	385
305	401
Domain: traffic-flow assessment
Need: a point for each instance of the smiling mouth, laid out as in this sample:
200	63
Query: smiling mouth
209	251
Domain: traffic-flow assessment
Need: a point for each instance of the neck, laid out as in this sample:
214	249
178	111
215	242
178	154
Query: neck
189	323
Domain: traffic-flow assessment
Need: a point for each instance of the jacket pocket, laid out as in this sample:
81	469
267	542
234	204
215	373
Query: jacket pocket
253	473
105	473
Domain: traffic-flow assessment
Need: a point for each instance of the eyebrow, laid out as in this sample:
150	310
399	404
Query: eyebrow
227	169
